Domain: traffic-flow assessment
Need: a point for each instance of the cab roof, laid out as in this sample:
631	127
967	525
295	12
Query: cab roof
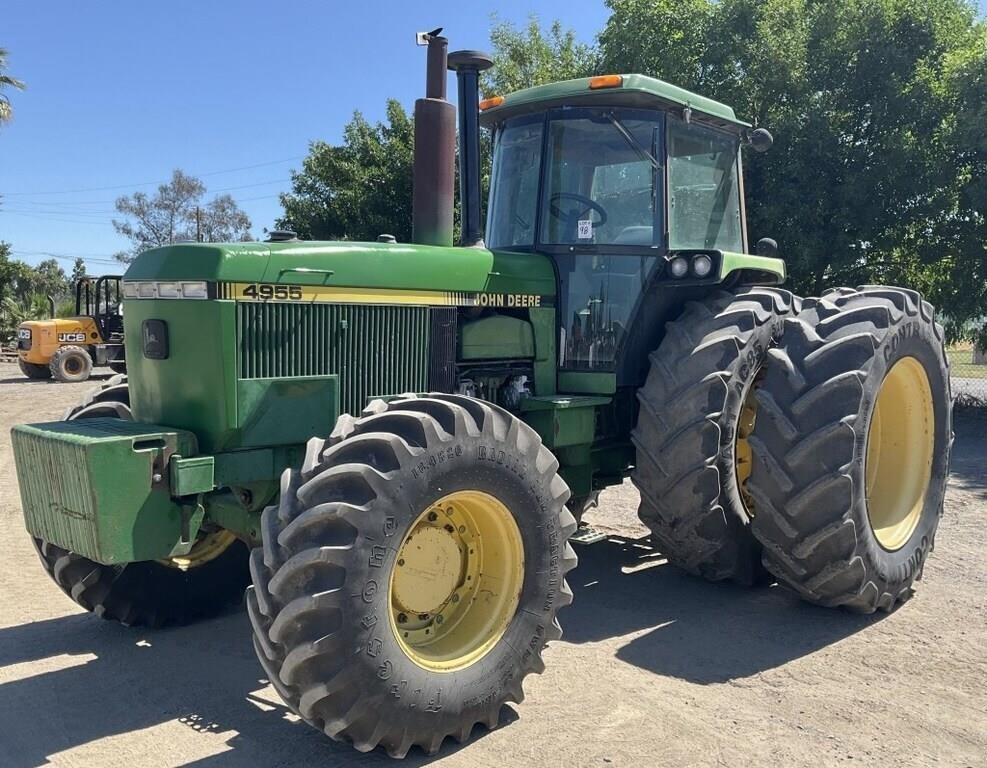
637	91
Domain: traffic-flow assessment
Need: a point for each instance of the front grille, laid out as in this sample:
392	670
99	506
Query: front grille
375	350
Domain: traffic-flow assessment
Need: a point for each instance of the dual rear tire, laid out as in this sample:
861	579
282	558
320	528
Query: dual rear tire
809	445
852	448
695	416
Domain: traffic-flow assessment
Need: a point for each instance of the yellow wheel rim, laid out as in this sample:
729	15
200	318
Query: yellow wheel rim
456	581
207	548
900	443
743	457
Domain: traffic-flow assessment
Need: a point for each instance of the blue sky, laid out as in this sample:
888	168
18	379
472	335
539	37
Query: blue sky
121	92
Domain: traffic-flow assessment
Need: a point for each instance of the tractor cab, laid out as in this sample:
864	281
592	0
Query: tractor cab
632	186
101	299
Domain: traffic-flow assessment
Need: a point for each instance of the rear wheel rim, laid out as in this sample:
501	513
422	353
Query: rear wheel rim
73	366
743	456
900	443
456	582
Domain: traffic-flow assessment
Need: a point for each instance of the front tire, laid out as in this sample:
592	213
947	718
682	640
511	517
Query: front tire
695	415
446	486
71	364
852	448
151	593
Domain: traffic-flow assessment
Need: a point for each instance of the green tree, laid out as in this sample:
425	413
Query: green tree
6	82
177	213
865	99
15	276
356	190
78	270
529	56
49	279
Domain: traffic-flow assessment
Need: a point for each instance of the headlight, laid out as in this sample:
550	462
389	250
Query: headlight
165	289
702	265
197	290
678	267
168	291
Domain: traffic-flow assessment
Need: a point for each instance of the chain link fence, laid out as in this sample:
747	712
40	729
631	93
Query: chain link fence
968	370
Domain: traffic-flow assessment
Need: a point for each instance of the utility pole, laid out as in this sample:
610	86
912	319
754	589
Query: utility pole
198	224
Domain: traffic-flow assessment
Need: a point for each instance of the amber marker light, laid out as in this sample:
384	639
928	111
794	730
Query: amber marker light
605	81
493	101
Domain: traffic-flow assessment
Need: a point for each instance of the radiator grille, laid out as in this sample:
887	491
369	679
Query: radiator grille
375	350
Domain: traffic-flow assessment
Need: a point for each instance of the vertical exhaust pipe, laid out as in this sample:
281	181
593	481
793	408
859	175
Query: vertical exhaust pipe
435	150
468	65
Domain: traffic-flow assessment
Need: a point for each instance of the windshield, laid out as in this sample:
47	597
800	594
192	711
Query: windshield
703	189
602	181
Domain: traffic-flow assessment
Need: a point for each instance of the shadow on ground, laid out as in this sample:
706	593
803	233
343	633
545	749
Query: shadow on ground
969	460
96	378
206	675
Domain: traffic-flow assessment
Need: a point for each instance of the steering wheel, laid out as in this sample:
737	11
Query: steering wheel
574	214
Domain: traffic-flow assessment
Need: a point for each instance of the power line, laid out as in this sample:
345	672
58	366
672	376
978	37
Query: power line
148	183
64	257
45	217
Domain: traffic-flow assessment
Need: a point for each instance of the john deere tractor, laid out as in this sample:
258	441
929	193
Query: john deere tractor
68	348
390	444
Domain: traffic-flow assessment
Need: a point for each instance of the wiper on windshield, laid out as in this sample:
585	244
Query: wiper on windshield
632	142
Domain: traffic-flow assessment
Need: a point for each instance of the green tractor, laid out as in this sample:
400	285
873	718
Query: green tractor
406	563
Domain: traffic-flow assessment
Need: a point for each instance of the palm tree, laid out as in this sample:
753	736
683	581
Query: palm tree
6	81
14	311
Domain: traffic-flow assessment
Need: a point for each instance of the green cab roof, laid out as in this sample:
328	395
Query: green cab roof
639	91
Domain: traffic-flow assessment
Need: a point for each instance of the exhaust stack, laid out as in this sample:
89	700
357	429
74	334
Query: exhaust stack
468	65
435	150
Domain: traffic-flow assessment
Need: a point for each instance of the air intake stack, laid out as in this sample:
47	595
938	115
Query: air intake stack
468	65
435	150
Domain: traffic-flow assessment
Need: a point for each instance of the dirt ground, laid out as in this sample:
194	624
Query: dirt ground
655	669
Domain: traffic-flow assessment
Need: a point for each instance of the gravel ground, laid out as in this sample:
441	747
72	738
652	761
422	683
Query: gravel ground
655	668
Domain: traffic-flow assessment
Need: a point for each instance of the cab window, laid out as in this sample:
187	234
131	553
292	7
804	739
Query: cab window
514	184
703	189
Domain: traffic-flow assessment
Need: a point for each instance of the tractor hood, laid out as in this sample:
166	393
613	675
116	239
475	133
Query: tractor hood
349	264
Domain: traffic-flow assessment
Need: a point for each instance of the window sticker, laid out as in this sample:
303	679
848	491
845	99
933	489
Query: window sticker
585	229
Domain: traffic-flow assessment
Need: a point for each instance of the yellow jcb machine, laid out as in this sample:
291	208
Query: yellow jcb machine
68	348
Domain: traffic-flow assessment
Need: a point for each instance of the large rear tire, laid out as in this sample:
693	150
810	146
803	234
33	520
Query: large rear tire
151	593
411	573
695	415
852	448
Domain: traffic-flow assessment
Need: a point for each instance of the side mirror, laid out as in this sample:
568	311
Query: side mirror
766	247
761	139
